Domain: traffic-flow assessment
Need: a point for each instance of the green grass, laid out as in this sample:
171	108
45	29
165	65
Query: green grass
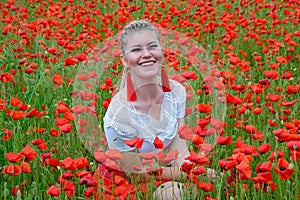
38	91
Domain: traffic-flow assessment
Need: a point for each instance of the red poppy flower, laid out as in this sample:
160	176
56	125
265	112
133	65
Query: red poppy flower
198	171
29	153
264	167
12	170
2	104
167	158
245	170
81	57
292	89
69	115
224	140
67	175
244	148
203	122
158	143
217	124
81	162
264	148
276	155
256	88
88	181
61	121
32	113
7	134
13	157
189	75
54	132
57	79
273	97
53	162
7	29
293	145
15	101
83	77
25	167
62	107
139	143
286	75
6	77
295	154
270	74
108	81
40	143
131	142
70	61
281	60
185	132
233	99
283	169
197	158
197	139
54	191
227	165
66	128
251	129
16	115
262	180
69	164
99	156
187	167
207	187
147	156
203	108
290	103
114	154
17	189
272	123
29	70
257	111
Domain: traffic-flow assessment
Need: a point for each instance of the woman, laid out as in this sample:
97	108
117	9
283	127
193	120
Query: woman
149	108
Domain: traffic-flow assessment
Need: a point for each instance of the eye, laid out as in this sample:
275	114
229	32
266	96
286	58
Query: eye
135	49
153	46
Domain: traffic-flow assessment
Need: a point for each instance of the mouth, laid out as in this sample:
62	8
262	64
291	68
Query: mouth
147	64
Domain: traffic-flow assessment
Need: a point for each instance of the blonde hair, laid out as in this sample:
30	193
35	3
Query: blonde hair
133	27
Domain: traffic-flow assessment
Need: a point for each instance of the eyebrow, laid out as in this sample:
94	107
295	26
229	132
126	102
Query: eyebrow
147	44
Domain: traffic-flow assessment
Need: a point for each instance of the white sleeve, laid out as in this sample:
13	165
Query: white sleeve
181	99
115	141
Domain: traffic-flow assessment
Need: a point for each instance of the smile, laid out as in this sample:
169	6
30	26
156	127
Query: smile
146	64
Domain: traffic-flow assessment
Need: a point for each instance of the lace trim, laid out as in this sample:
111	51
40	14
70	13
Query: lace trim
164	134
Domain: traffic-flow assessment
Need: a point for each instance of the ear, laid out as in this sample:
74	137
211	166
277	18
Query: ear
124	60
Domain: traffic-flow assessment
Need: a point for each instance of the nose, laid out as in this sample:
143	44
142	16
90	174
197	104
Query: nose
146	52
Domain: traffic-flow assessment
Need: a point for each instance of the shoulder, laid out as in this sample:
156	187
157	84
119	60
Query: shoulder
117	106
118	98
177	88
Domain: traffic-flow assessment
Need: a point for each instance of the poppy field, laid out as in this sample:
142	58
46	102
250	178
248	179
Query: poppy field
60	67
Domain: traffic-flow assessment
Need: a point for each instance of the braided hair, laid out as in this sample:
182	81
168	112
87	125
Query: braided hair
135	26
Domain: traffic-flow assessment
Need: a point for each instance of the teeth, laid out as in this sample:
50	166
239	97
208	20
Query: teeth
148	63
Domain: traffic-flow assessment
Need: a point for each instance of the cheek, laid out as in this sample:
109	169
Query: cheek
159	56
132	59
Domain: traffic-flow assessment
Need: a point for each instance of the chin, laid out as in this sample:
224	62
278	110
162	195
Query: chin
148	71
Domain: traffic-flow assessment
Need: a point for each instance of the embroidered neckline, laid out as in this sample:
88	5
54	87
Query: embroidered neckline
133	108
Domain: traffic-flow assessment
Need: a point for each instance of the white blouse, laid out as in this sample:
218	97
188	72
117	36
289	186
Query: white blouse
123	122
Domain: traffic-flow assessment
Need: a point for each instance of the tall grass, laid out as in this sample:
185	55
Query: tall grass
94	21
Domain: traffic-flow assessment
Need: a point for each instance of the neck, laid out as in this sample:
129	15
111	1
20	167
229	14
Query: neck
148	91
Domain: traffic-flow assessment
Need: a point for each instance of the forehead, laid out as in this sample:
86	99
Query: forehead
140	38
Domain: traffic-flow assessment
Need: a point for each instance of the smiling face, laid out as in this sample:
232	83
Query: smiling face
143	54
